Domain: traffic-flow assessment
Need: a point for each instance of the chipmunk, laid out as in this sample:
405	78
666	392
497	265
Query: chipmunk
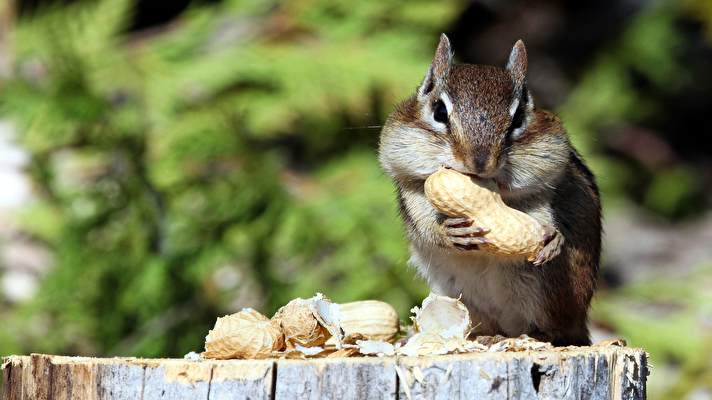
481	120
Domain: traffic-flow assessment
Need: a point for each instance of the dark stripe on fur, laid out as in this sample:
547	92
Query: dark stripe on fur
410	224
577	161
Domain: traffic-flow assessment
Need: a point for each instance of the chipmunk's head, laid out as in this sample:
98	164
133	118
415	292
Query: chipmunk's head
473	118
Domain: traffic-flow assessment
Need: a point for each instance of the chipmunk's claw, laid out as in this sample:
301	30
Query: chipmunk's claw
462	227
457	222
468	243
553	242
462	235
466	247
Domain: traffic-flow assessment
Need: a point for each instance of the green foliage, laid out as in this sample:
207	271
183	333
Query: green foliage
607	96
337	222
205	168
671	192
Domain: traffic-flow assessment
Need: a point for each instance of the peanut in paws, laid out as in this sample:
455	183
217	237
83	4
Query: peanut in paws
511	232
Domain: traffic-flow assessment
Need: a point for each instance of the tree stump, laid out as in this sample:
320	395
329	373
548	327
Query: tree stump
596	372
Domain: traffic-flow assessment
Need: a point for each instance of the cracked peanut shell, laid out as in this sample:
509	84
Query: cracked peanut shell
300	324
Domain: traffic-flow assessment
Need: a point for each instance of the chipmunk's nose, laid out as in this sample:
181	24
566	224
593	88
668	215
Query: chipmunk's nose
481	160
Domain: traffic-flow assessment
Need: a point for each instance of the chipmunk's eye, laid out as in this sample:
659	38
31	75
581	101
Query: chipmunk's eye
440	112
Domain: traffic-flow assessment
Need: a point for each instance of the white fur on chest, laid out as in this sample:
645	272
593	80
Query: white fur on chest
497	288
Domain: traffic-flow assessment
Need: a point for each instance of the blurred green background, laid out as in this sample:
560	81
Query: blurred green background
182	160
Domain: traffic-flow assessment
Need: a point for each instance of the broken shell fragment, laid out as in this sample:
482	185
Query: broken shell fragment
521	343
343	352
309	351
369	319
329	316
300	324
375	347
423	344
246	334
442	315
442	325
511	231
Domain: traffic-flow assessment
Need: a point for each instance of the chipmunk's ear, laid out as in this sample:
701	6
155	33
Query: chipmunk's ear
517	67
439	68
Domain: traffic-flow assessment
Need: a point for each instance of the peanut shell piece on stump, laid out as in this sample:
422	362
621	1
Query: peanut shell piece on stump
370	319
246	334
300	325
443	315
511	231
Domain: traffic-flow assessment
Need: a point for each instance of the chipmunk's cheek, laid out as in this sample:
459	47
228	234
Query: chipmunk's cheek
503	180
450	160
424	166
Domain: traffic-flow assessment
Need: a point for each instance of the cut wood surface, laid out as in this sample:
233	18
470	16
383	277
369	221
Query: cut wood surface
596	372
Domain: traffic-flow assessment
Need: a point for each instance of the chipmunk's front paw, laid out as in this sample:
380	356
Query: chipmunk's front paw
553	242
461	233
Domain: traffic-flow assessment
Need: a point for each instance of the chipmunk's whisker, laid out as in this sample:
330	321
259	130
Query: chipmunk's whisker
364	127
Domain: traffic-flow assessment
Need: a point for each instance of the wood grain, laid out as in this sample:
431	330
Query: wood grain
336	378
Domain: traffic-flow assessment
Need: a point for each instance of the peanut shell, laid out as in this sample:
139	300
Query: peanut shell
443	315
511	231
370	319
300	325
246	334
